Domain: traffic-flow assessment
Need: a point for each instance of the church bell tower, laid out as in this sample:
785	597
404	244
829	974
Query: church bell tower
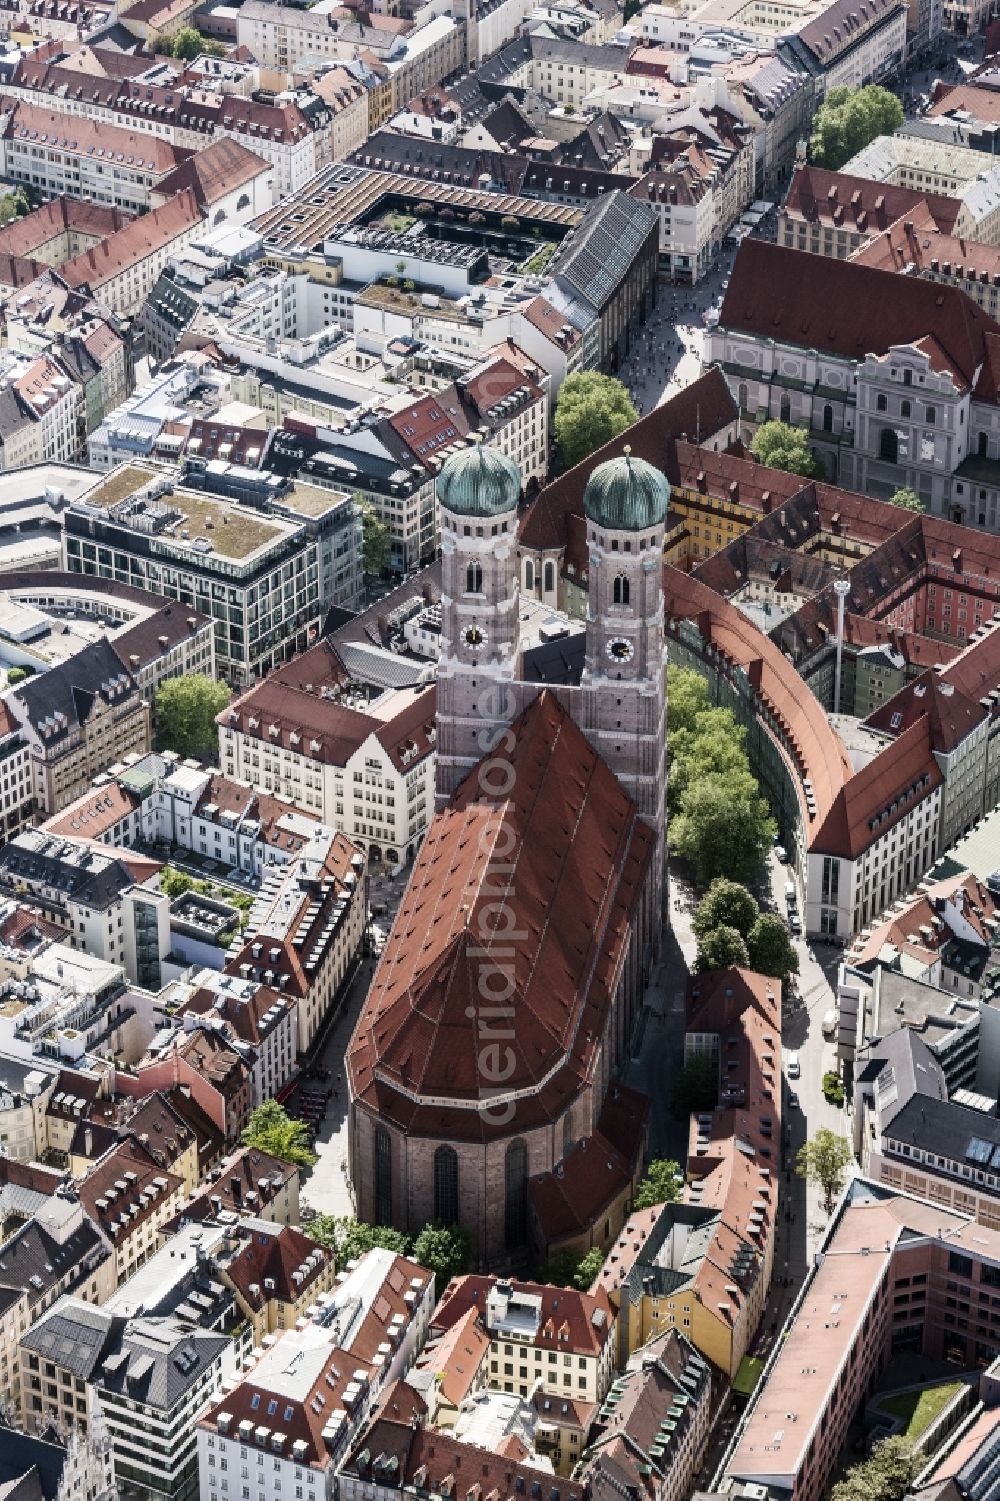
624	688
478	491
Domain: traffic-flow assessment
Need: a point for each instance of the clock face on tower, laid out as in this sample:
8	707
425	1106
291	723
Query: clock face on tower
620	649
474	635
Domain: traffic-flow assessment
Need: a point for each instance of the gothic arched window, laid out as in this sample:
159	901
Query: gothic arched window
383	1176
446	1185
529	574
474	579
619	594
516	1194
550	577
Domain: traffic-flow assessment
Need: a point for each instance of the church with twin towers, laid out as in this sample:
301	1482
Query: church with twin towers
485	1068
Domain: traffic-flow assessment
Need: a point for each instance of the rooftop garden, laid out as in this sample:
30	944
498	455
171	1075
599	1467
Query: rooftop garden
919	1408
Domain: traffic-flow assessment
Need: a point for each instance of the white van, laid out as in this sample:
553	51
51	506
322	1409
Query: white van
830	1024
792	1066
790	897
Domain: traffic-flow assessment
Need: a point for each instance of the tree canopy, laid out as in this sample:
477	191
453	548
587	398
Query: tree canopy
715	744
175	882
443	1250
661	1185
591	409
272	1130
848	119
185	715
14	205
187	43
725	904
779	445
376	539
824	1159
722	824
886	1475
574	1268
770	947
349	1239
907	500
687	699
720	948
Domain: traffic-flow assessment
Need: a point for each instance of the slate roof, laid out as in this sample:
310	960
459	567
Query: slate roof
71	688
98	880
35	1260
73	1334
158	1361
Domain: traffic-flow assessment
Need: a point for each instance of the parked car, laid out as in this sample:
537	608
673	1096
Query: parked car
782	853
793	1068
793	1100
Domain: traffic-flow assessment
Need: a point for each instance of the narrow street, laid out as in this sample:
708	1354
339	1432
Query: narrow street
802	1217
326	1187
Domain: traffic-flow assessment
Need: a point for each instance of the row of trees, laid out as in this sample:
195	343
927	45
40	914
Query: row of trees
442	1249
719	821
731	929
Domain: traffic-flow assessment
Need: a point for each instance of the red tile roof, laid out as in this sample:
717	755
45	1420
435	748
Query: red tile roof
414	1043
276	1258
215	171
849	309
131	245
577	1323
836	198
887	781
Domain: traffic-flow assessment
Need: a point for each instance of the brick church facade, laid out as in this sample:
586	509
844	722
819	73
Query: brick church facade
483	1069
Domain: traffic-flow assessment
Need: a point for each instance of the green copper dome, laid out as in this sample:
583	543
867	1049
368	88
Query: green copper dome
626	495
479	481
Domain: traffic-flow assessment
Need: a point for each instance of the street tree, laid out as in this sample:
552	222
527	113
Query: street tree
687	699
185	714
848	120
779	445
824	1159
714	745
443	1250
719	948
771	949
725	904
886	1475
591	409
722	826
907	500
272	1130
661	1185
